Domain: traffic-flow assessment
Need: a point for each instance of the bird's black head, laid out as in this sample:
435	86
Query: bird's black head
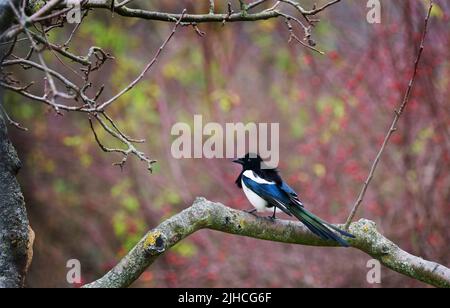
250	162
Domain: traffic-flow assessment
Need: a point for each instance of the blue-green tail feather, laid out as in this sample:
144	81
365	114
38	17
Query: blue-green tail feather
322	229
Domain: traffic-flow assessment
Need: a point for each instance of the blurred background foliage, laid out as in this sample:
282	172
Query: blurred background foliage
333	111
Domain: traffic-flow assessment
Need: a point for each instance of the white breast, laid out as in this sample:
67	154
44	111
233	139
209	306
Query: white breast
259	203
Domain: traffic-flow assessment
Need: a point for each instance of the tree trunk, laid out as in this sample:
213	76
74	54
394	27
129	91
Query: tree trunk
16	237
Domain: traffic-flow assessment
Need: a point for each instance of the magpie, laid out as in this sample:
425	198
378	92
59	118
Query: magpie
266	191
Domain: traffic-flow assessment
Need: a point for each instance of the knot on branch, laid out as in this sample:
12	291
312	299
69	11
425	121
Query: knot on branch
202	208
155	242
365	226
370	239
200	201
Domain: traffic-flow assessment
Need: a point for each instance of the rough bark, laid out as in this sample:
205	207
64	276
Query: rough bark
6	16
16	237
204	214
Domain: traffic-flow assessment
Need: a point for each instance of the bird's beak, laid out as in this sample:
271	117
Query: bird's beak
238	161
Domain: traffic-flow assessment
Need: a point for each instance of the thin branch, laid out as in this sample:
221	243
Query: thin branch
48	7
211	7
307	13
255	4
8	52
293	36
47	70
61	50
393	127
11	121
22	90
50	16
199	18
130	148
75	29
55	54
53	93
316	11
114	125
273	7
243	6
123	3
100	144
204	214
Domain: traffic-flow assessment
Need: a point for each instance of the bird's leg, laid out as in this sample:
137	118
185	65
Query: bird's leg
273	217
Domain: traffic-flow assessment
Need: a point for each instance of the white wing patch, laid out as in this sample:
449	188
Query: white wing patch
254	177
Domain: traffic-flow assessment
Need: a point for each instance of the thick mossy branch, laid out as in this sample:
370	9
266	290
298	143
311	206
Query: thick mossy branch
204	214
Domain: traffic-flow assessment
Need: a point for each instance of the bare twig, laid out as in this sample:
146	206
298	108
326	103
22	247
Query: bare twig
314	11
393	127
52	15
49	6
100	144
8	52
272	8
293	36
11	121
198	31
211	7
202	18
49	71
123	3
75	29
53	93
131	149
229	14
114	125
81	60
255	4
